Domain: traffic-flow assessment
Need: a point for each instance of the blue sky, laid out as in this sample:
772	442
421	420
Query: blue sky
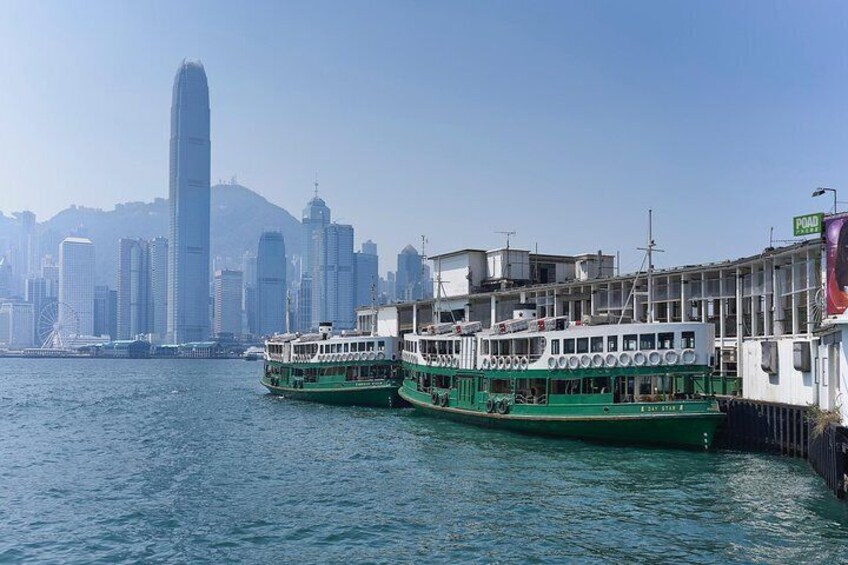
562	121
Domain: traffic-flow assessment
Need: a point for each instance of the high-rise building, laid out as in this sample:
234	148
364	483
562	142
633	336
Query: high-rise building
188	259
408	281
228	296
316	217
271	284
158	263
135	309
366	266
105	316
304	305
249	296
16	325
37	295
76	285
334	287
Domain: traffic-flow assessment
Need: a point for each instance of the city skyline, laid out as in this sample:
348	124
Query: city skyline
586	103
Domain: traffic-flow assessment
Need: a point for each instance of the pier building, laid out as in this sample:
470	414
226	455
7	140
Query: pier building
779	314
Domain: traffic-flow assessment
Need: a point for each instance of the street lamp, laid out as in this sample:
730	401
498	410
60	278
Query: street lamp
821	190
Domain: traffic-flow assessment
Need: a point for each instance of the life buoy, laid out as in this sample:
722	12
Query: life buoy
612	361
508	363
671	357
456	363
689	357
485	363
381	356
585	361
597	360
624	359
372	356
434	397
639	359
573	362
490	406
654	358
502	406
524	363
443	400
552	363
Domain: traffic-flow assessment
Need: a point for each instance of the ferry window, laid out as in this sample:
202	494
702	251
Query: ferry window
560	386
597	345
629	342
687	340
381	345
665	340
582	345
500	386
568	346
596	385
612	343
485	347
647	341
370	346
345	350
555	347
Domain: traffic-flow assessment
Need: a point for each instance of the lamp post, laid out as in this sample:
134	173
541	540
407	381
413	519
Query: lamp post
821	190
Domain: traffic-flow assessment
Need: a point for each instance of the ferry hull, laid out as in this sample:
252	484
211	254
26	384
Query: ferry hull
677	430
381	396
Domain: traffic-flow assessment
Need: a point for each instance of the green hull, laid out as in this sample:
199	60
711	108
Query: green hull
679	430
380	396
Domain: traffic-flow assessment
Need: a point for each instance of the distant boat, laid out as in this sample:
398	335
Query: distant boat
253	354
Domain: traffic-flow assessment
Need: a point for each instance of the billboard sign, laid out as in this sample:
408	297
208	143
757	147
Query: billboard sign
808	224
836	287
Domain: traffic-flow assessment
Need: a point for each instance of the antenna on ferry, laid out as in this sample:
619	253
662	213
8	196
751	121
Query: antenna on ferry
649	253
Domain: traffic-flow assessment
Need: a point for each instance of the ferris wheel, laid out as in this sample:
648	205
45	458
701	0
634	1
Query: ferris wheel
58	326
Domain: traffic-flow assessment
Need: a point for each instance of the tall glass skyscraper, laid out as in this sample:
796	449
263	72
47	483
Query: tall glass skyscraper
271	284
188	257
76	285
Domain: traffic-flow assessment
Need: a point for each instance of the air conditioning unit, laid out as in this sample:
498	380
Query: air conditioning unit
768	359
801	357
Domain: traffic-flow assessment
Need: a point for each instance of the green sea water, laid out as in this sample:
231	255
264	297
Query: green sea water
191	461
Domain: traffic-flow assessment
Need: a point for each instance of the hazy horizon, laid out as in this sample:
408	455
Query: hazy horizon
564	122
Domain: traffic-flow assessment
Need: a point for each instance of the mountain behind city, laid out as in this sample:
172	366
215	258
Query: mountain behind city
238	218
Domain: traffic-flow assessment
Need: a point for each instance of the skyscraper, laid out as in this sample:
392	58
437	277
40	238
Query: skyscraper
134	305
188	260
271	284
159	286
409	275
227	291
366	274
316	217
76	285
105	312
333	293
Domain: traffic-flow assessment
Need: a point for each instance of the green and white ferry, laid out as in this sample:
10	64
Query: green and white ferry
625	383
349	369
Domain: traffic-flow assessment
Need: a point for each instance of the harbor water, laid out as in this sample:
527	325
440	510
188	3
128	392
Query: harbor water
192	461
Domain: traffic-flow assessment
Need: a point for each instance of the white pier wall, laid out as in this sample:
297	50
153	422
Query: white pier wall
788	386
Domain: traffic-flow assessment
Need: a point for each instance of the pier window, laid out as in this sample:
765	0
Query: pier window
612	343
665	340
568	346
582	345
647	341
687	340
629	342
563	386
555	347
597	344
